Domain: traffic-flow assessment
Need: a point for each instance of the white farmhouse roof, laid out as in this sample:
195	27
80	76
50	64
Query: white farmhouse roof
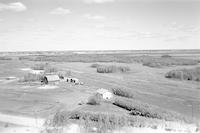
106	94
52	78
102	91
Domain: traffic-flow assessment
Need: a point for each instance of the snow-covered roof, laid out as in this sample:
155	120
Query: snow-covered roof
51	78
102	91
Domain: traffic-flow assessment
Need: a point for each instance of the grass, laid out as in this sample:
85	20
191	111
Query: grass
192	74
112	69
123	92
146	110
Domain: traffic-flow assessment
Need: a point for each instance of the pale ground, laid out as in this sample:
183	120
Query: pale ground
32	71
46	87
74	128
22	120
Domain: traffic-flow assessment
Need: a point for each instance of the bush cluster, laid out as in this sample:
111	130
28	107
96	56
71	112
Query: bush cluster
123	92
161	62
46	67
40	66
31	77
185	74
146	110
111	69
95	99
5	58
103	121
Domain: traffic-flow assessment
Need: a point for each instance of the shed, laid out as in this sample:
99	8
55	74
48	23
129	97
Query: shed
75	80
106	94
50	78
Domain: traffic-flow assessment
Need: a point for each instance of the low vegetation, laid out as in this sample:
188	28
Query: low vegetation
40	66
162	62
112	69
108	122
63	74
104	122
50	69
46	67
5	58
166	56
31	77
185	74
95	65
95	99
123	92
146	110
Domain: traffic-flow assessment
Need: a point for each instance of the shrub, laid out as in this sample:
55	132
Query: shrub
95	99
166	56
112	69
46	67
124	68
160	62
107	122
185	74
50	70
103	121
31	77
106	69
63	74
123	92
146	110
95	65
5	58
40	66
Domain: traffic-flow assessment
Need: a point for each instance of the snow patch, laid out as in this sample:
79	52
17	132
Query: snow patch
47	87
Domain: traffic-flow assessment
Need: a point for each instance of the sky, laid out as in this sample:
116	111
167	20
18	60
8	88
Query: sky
43	25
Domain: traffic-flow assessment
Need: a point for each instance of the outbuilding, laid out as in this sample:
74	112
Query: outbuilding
75	80
106	94
50	79
72	80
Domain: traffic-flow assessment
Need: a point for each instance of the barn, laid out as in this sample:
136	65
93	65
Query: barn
106	94
50	79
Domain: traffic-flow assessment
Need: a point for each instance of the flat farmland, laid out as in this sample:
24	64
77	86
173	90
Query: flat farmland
33	101
148	85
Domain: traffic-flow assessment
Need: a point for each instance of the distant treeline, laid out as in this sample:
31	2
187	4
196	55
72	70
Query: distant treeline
150	61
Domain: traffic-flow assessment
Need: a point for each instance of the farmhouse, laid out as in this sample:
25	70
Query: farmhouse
50	79
106	94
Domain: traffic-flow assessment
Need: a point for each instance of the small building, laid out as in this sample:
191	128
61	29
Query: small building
50	79
106	94
72	80
75	80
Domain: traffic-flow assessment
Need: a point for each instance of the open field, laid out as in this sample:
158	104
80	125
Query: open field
145	84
